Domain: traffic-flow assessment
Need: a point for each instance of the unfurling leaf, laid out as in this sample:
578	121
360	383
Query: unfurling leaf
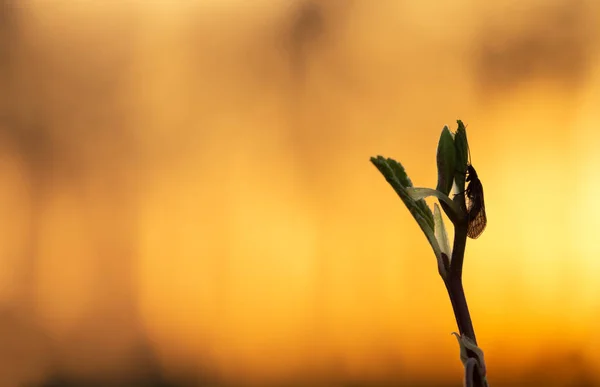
446	161
462	156
440	231
396	176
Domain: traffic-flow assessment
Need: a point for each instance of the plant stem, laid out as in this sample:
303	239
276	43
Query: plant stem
456	291
454	284
460	307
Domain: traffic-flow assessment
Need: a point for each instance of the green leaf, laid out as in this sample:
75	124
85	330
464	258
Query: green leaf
421	193
462	156
440	231
396	176
446	161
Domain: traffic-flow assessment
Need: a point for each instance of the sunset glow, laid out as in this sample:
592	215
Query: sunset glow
193	179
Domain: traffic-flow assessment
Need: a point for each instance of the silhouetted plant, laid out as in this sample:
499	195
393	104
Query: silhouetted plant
466	211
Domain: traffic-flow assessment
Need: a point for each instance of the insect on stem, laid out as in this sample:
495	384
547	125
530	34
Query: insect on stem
477	220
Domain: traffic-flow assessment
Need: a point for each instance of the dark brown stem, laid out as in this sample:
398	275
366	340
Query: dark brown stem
457	296
460	308
454	285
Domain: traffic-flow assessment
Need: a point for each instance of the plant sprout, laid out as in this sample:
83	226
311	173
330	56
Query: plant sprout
452	165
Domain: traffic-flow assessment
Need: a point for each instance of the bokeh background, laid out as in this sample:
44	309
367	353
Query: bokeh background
187	199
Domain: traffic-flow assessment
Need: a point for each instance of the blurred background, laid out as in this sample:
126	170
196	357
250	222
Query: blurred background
187	199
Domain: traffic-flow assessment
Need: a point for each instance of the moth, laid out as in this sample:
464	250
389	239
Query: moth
477	219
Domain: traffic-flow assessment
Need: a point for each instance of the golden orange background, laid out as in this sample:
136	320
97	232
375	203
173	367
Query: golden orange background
186	189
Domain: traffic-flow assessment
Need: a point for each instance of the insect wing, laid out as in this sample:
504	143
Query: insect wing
476	210
477	225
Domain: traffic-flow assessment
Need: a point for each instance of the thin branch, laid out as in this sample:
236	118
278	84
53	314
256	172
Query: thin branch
458	300
454	285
